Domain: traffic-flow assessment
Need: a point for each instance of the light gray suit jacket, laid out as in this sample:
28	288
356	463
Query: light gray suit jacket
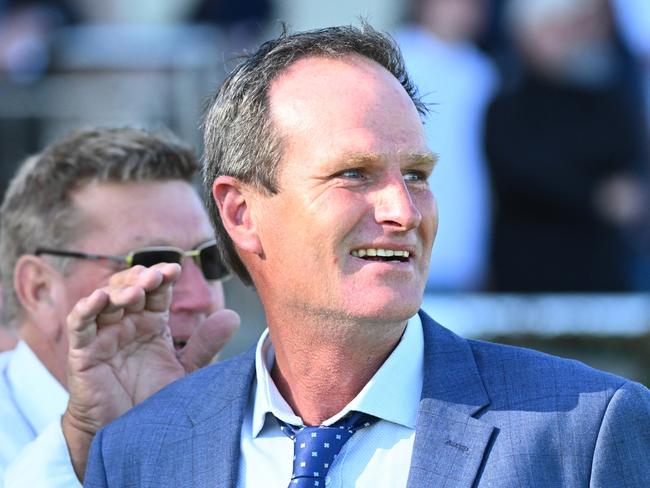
490	415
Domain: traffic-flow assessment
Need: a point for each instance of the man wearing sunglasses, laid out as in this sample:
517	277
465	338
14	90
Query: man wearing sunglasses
100	208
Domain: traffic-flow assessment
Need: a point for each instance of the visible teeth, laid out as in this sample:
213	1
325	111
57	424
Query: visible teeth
360	253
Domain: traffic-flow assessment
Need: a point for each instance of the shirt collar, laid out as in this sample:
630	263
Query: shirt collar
392	394
40	397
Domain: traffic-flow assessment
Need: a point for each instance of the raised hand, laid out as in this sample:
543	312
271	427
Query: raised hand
121	350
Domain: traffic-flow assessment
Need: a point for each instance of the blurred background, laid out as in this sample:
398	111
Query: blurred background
540	112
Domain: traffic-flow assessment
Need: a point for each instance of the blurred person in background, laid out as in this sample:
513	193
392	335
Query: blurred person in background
566	147
26	30
91	204
633	19
242	22
458	81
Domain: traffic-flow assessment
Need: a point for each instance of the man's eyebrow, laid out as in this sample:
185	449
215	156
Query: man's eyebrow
423	158
361	158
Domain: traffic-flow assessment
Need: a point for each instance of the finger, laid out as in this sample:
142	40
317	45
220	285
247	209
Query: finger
103	306
155	281
121	300
81	321
208	339
127	277
107	318
159	293
148	278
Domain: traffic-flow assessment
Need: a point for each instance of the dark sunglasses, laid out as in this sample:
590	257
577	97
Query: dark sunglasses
205	255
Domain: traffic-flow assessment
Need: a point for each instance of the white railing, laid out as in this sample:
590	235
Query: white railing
477	315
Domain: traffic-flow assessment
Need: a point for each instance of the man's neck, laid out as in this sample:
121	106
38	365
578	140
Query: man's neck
45	351
320	370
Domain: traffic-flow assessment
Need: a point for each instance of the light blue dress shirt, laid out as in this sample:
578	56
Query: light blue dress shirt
32	447
377	456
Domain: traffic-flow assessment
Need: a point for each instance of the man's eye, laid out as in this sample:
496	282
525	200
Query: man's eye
351	174
411	176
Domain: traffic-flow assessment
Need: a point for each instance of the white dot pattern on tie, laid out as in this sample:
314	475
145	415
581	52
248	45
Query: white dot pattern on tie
315	448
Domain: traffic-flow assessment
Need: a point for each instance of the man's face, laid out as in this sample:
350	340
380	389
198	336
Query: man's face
119	218
352	187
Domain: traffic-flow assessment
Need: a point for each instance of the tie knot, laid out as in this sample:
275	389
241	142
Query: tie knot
350	423
315	448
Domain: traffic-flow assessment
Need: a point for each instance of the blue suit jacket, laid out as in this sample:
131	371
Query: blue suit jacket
490	415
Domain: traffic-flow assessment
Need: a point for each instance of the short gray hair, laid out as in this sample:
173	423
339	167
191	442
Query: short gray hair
38	209
239	137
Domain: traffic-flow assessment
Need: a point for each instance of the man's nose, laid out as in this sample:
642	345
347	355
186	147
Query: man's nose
394	205
193	293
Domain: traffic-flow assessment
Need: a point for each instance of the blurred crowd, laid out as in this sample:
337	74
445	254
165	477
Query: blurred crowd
539	112
539	115
30	30
151	63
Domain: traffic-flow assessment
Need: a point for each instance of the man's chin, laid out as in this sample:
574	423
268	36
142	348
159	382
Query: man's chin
391	300
397	311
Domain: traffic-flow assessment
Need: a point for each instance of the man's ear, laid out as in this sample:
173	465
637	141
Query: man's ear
37	285
233	200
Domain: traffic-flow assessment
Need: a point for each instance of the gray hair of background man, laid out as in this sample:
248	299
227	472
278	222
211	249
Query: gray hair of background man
38	209
239	137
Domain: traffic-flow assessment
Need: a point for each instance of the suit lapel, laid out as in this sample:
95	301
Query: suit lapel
450	444
215	449
216	417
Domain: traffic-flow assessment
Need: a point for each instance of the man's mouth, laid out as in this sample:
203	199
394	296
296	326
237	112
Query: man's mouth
381	254
179	344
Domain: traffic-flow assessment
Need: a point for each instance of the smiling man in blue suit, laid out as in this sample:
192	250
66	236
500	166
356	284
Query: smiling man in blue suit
317	170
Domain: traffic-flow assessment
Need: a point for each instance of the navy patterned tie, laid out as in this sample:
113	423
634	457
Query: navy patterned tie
315	448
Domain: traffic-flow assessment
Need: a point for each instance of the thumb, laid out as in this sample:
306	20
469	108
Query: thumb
208	339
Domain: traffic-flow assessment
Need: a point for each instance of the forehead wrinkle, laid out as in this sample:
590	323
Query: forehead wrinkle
147	227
